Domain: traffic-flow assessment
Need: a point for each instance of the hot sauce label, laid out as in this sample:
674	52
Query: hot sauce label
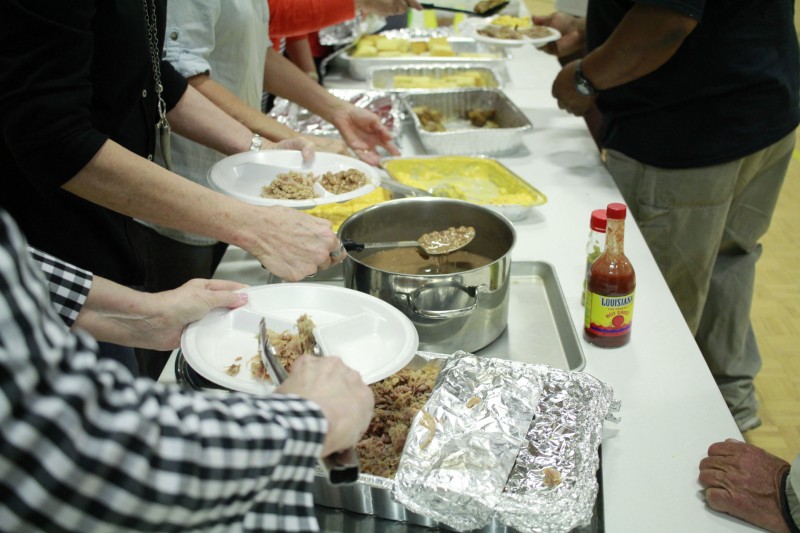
608	316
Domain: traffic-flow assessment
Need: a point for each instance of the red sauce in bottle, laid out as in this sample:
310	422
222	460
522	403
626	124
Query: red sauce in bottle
610	288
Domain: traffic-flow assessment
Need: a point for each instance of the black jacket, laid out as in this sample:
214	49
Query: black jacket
72	75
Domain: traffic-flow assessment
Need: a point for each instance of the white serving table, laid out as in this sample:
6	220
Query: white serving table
671	408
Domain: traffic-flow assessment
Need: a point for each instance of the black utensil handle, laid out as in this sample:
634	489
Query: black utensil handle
352	246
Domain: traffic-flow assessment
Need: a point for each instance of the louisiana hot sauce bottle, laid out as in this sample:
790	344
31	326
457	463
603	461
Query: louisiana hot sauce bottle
610	287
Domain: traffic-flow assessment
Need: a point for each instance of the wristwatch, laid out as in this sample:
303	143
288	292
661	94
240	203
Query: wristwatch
255	143
582	84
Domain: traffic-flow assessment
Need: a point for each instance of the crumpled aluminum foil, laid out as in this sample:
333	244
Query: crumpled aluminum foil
461	447
551	486
383	104
348	31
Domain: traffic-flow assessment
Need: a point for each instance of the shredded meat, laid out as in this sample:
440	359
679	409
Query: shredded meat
398	399
343	181
290	186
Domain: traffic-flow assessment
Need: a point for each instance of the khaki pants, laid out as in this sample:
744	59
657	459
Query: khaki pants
703	226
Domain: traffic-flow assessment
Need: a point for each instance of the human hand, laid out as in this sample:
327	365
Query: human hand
304	145
567	96
291	244
571	29
330	145
363	132
744	481
345	400
385	8
121	315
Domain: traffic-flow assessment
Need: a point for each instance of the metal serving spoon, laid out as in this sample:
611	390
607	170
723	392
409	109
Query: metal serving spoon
340	467
433	243
488	13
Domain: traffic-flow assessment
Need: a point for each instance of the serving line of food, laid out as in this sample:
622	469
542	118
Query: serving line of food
670	407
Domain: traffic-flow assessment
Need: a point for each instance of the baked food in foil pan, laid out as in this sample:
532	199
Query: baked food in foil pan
480	121
551	485
383	104
401	78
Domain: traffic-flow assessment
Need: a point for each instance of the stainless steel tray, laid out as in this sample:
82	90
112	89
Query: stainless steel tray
540	328
461	138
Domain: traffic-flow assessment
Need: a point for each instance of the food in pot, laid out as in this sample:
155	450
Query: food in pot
446	241
290	186
410	261
398	399
343	181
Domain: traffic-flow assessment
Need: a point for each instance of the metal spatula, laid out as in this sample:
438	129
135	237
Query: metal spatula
488	13
340	467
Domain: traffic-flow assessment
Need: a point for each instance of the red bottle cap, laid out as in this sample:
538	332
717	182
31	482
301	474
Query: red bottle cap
616	211
598	220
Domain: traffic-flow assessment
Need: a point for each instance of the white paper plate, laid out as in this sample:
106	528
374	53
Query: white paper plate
369	334
471	26
243	175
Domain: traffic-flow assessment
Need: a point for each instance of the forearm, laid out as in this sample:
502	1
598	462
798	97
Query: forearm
253	119
119	180
646	38
199	119
118	314
299	51
283	78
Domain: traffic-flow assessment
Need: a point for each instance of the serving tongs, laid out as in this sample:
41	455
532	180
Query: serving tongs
488	13
340	467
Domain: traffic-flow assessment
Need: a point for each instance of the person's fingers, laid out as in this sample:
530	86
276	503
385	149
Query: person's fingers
228	299
223	285
720	500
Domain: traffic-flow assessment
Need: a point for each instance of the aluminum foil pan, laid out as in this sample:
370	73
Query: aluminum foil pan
469	51
563	435
383	78
461	137
350	30
461	447
383	104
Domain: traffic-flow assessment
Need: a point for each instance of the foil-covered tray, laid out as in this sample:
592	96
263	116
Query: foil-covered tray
460	136
563	437
467	50
382	103
433	77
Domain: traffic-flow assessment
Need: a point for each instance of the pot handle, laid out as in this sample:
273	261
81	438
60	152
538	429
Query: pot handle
418	293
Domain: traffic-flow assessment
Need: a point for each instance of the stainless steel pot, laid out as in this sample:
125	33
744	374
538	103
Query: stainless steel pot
462	311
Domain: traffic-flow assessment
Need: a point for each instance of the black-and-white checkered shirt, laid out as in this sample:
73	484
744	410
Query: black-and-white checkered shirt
69	285
86	447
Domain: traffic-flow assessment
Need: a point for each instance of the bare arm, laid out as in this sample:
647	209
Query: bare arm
360	129
290	243
121	315
254	119
646	38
